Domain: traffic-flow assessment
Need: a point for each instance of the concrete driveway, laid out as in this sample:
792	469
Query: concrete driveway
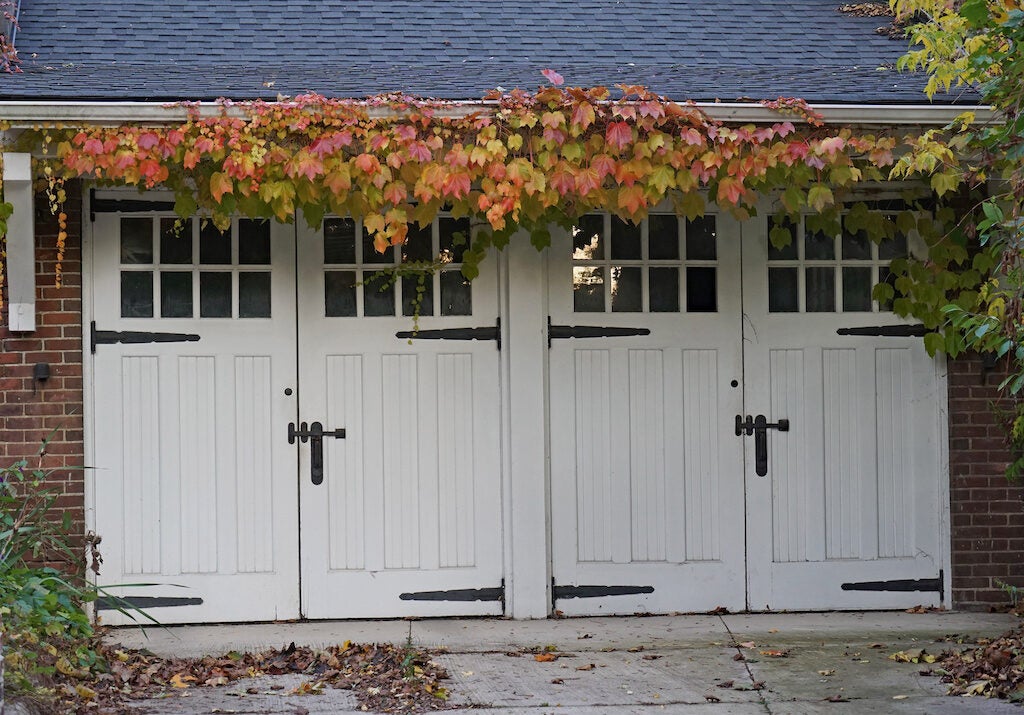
791	663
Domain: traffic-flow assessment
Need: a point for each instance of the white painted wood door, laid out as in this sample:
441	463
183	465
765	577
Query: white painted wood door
410	501
194	482
646	475
854	490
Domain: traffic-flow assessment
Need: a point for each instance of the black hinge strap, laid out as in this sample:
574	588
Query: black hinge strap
113	603
135	337
906	584
458	594
486	333
888	331
561	592
558	332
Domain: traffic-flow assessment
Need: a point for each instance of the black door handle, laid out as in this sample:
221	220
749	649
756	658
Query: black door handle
315	434
759	426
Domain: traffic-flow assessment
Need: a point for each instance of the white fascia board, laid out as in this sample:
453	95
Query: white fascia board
28	113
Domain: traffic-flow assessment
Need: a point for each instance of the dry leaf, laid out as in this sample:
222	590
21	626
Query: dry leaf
827	673
588	666
635	649
775	653
724	684
180	680
545	657
748	644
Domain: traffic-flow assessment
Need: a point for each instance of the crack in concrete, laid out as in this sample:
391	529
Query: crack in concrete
746	666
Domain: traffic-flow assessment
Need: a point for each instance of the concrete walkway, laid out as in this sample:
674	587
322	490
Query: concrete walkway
661	664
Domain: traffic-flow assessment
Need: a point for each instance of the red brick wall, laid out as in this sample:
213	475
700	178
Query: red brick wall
986	510
56	406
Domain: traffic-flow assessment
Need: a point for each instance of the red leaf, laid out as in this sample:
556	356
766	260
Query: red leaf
148	140
367	163
619	134
553	77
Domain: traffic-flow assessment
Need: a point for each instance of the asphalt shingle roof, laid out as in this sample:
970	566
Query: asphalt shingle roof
453	49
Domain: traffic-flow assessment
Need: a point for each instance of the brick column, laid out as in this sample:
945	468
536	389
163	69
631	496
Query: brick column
30	412
986	510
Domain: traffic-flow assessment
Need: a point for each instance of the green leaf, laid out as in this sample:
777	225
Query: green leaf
934	343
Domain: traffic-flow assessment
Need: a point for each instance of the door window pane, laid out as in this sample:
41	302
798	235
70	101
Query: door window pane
627	295
819	246
175	241
625	240
821	290
214	295
454	235
856	289
700	239
783	290
701	289
456	294
378	295
588	238
136	240
176	294
214	245
371	255
254	295
787	252
419	244
895	247
340	294
136	294
419	287
664	290
588	289
856	246
339	240
253	242
663	238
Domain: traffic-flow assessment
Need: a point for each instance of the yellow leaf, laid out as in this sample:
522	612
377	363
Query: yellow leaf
180	680
85	693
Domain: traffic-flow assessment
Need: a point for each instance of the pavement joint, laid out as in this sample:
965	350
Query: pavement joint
746	666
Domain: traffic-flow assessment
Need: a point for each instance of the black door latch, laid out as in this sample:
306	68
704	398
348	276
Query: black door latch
759	426
314	433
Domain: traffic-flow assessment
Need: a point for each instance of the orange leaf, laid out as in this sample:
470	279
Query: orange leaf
545	657
220	184
619	134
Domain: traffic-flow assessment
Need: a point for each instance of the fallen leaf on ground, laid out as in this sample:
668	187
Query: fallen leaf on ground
180	680
775	653
827	672
748	644
724	684
557	681
635	649
545	657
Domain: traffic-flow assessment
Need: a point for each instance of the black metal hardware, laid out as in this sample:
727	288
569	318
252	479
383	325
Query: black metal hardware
564	592
887	331
459	594
759	426
111	603
124	205
559	332
314	433
488	333
134	337
906	584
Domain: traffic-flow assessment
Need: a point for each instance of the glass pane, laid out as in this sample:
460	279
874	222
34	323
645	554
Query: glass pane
856	246
701	289
627	293
821	290
340	241
588	238
700	239
340	294
136	294
456	294
885	276
176	294
175	241
136	240
378	294
214	245
214	295
419	244
895	247
253	242
856	289
254	295
783	290
664	290
663	238
419	288
370	254
454	237
588	289
819	246
625	240
789	251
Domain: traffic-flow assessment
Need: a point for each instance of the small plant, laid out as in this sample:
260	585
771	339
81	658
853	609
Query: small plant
1012	592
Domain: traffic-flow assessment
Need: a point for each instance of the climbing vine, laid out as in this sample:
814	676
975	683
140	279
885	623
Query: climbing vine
520	160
